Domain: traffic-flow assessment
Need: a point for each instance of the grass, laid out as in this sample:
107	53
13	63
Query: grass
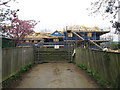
82	66
96	75
17	75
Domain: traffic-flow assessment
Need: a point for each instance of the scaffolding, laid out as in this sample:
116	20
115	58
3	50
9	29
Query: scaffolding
88	40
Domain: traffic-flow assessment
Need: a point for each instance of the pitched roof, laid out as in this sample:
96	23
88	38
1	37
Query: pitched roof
61	32
82	28
36	36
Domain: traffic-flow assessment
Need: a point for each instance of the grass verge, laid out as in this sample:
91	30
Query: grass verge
15	77
97	77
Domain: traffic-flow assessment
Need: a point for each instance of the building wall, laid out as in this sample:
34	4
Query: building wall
94	36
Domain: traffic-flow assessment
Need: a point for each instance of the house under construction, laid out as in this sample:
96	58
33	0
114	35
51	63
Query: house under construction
85	37
76	36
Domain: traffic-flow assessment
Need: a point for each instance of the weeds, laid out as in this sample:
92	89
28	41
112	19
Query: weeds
90	72
96	75
82	66
17	75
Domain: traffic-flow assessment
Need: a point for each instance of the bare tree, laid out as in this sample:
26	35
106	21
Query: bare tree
6	13
108	9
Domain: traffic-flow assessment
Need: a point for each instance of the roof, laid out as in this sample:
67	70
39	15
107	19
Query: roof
80	28
47	34
37	36
61	33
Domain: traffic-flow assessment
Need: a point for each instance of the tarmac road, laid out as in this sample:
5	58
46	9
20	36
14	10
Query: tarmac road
56	75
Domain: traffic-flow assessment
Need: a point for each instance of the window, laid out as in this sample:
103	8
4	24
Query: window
38	40
30	40
56	40
70	35
89	34
35	41
60	39
27	40
56	33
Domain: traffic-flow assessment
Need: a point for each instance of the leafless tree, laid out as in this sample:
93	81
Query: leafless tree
108	9
5	12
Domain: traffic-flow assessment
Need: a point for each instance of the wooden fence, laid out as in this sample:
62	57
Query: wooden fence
107	64
13	59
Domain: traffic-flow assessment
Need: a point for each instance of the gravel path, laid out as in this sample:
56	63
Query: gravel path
56	75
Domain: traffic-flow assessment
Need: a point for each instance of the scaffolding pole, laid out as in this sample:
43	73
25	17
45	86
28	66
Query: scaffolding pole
88	40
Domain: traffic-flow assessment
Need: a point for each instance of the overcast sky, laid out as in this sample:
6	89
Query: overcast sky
57	14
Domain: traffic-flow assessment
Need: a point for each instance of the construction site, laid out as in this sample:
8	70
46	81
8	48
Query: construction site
60	44
77	36
72	58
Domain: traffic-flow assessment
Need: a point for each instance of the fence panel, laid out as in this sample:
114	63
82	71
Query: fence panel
13	59
107	64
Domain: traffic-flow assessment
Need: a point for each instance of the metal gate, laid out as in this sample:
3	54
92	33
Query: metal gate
62	54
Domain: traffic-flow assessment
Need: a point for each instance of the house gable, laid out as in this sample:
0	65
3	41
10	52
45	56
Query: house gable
57	34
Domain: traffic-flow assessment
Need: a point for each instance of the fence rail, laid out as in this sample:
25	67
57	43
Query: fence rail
13	59
107	64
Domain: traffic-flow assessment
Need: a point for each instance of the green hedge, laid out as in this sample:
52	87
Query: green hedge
7	43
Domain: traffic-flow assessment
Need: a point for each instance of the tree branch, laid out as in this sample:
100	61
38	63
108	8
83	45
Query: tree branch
5	3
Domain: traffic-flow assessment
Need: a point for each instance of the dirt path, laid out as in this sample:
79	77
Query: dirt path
56	75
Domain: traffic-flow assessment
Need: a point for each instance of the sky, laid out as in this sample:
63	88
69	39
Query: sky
57	14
